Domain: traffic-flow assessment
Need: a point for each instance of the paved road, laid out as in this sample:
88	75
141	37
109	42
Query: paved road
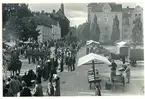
75	83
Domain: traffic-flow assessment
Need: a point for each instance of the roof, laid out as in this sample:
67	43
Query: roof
97	7
45	20
61	15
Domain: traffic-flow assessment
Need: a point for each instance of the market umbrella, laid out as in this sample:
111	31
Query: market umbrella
92	57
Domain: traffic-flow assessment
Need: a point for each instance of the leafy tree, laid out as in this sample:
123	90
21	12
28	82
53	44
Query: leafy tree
11	27
28	29
83	31
8	10
95	30
21	24
115	30
137	32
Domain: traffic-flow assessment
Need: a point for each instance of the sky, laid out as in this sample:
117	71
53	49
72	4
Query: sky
75	12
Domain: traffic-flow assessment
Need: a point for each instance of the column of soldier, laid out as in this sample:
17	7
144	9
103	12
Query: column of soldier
46	68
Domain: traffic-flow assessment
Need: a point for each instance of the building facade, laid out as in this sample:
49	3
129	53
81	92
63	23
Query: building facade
105	12
56	31
45	33
129	15
49	33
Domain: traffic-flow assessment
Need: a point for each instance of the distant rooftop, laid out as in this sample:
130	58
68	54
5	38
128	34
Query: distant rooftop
97	7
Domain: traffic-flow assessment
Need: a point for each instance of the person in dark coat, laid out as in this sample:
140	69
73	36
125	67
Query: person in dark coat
46	70
97	91
33	55
38	89
50	89
19	77
18	84
38	73
57	91
14	87
29	54
53	71
55	63
25	91
73	62
8	91
113	69
61	65
123	59
70	63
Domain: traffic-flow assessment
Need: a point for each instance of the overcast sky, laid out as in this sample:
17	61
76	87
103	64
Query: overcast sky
75	12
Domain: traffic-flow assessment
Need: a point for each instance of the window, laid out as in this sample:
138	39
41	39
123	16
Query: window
106	18
125	30
105	37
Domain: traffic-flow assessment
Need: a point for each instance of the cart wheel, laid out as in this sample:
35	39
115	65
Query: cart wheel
133	64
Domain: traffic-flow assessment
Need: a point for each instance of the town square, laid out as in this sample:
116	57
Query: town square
72	49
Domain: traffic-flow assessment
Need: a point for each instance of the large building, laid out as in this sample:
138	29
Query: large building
105	12
129	15
51	32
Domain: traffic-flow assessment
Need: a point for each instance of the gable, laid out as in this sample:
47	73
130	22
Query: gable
106	8
100	7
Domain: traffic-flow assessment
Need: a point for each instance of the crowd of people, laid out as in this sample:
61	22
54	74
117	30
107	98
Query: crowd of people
48	63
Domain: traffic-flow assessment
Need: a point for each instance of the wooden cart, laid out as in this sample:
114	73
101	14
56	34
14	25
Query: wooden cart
91	79
118	80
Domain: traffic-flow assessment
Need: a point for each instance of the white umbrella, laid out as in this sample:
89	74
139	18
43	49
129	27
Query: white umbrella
90	57
91	41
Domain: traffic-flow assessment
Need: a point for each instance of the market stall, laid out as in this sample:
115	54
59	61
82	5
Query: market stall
91	46
93	74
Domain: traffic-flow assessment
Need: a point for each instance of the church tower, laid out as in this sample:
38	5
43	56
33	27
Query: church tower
62	8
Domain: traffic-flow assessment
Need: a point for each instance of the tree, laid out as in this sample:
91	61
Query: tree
27	29
11	27
95	30
137	31
8	10
115	30
21	24
83	31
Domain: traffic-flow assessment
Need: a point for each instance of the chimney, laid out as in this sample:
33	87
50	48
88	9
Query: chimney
62	8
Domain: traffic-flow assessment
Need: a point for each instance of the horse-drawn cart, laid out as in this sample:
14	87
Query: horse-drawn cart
136	54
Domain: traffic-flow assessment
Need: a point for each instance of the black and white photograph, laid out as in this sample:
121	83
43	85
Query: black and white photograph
72	49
